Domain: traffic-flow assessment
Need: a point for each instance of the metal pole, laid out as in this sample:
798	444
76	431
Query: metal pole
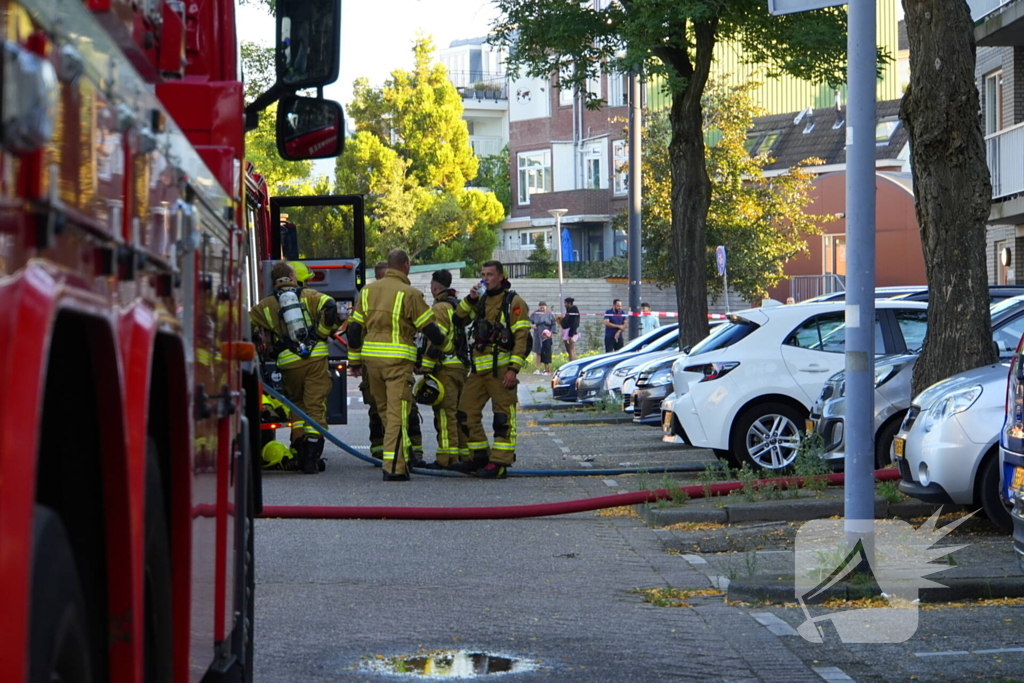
633	239
558	213
860	295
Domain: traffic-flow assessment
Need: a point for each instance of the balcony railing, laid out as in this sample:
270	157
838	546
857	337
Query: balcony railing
486	145
803	287
982	8
1005	153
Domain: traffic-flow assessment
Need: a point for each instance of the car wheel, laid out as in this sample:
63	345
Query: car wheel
991	494
767	436
883	441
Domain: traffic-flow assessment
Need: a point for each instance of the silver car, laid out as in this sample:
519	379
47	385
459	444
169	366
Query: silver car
893	376
947	448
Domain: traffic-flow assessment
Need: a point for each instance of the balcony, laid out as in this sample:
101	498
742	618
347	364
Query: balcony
480	85
486	145
1005	153
998	22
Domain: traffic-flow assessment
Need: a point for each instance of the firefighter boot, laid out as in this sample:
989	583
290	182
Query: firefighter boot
309	453
479	460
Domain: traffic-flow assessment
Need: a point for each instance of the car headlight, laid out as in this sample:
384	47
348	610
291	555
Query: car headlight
621	372
567	373
949	405
661	378
595	373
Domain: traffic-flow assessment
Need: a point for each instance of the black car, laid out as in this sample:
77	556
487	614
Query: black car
653	385
563	383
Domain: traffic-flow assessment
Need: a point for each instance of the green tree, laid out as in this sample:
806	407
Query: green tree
411	158
761	221
951	185
543	266
495	175
261	143
675	40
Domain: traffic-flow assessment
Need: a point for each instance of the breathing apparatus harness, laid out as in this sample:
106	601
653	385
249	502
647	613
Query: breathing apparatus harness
498	335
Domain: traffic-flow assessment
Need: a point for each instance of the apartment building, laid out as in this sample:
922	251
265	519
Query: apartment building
999	33
477	70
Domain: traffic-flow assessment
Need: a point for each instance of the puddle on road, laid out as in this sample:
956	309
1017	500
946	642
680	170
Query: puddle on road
450	664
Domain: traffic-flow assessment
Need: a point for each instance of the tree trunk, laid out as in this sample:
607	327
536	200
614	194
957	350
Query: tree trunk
691	187
951	187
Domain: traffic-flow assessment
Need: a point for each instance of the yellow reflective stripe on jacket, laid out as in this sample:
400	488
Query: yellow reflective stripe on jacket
286	357
467	309
396	317
364	303
423	319
428	363
521	325
453	361
517	359
372	349
487	362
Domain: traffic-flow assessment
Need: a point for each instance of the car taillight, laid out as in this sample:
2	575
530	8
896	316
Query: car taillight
712	370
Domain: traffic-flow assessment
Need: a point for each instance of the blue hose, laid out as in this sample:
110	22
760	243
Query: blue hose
693	467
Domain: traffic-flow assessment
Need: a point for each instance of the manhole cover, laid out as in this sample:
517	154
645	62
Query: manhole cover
451	664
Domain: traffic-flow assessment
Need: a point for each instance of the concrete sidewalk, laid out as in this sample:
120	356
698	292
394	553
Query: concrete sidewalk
746	548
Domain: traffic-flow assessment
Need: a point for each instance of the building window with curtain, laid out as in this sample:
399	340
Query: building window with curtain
534	174
620	176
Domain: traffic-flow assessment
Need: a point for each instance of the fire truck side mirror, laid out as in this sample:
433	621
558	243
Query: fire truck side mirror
308	42
309	128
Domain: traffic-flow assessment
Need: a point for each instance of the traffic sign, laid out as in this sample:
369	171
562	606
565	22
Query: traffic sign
720	259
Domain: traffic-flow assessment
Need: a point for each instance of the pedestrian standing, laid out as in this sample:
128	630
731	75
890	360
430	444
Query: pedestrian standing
614	327
570	327
450	372
543	322
391	311
648	322
292	326
501	341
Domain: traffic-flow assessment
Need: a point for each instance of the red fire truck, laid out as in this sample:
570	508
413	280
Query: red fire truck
132	237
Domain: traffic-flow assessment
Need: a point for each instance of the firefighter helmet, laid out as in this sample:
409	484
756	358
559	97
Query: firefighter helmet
302	272
275	454
428	391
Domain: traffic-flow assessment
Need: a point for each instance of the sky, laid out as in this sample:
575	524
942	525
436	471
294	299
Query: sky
377	37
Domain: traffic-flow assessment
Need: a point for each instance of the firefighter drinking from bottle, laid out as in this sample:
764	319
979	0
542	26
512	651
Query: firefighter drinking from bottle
501	343
291	327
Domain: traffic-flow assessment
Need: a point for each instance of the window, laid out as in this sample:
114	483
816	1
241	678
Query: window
827	332
565	95
761	142
993	103
593	165
618	89
530	238
1007	336
913	325
534	174
884	130
594	86
620	176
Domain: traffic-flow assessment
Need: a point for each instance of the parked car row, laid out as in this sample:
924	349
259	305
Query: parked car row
764	377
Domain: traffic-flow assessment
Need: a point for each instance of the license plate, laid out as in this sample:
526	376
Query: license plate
666	423
810	426
1018	478
898	444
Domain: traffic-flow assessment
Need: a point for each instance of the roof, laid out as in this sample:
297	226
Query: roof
797	139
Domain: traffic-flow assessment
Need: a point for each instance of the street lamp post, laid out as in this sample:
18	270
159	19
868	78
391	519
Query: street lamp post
558	213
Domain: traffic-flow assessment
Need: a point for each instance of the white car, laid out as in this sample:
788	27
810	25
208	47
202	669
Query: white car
614	380
947	448
746	390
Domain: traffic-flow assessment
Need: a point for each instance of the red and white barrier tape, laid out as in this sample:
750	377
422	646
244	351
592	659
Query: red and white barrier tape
658	314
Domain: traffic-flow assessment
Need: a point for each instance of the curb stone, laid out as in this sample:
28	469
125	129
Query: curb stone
790	510
782	589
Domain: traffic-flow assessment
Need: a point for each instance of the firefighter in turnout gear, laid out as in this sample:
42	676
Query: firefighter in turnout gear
450	370
292	327
501	341
387	316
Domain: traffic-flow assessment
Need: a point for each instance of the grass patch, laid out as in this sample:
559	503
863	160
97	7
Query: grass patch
673	597
889	490
810	463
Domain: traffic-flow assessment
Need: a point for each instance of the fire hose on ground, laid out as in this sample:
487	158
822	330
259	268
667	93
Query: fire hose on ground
523	511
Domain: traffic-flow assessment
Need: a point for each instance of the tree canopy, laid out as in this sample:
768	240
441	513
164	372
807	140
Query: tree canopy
412	159
761	221
676	40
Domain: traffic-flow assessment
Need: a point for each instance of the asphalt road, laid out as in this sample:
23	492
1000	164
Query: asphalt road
555	592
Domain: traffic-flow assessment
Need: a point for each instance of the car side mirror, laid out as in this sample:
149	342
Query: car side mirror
686	349
308	42
309	128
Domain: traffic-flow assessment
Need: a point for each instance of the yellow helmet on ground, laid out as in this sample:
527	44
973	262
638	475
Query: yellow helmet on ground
302	272
275	454
428	391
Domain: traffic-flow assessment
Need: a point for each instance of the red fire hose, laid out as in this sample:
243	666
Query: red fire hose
540	510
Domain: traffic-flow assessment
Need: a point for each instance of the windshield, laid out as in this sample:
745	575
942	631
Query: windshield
1004	305
647	338
724	335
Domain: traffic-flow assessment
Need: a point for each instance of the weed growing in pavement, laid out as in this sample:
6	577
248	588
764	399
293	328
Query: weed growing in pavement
712	474
549	413
889	490
809	463
606	406
747	477
771	491
673	597
643	480
676	494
